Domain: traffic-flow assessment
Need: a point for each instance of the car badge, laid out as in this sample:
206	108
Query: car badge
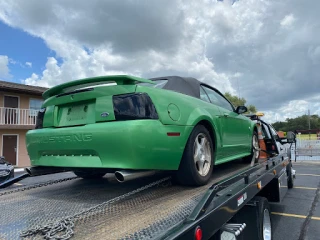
104	114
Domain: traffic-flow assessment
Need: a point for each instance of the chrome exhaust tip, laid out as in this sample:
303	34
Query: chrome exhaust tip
127	175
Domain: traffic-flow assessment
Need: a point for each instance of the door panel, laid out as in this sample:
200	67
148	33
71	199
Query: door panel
9	150
213	110
231	127
237	133
10	114
234	133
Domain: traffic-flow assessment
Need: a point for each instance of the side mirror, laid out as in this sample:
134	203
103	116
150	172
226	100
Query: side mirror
291	137
241	109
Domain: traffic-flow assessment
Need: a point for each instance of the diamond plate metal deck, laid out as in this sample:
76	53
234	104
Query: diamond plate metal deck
105	209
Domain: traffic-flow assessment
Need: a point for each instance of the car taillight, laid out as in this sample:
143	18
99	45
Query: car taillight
134	106
39	120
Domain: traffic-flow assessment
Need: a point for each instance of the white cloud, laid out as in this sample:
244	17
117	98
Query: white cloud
33	80
287	21
29	64
290	110
162	41
265	51
4	68
293	109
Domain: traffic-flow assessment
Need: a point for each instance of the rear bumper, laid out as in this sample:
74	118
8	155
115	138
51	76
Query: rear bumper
139	144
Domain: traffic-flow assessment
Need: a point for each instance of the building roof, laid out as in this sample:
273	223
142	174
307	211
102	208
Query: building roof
21	88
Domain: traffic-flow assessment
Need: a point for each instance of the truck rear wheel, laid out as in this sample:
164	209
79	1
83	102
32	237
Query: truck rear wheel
197	161
290	176
256	216
264	219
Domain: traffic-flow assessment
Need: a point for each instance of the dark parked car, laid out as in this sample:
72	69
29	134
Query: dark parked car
6	170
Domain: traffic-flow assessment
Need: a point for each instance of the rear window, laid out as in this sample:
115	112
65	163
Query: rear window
158	84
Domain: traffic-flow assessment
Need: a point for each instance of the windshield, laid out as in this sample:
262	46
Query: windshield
274	132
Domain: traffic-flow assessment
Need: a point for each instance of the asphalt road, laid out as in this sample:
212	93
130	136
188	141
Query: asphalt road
298	216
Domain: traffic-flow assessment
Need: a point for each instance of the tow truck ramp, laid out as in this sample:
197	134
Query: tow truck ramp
80	209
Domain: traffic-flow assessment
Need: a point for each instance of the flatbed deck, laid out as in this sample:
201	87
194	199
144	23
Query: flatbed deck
139	209
235	201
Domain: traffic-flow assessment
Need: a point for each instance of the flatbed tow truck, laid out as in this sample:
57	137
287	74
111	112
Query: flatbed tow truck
234	205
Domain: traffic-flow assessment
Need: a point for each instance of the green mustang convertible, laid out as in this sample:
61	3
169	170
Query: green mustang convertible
108	124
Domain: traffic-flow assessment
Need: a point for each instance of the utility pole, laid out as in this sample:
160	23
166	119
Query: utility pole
309	123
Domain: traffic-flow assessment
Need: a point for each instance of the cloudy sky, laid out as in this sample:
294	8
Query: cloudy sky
266	51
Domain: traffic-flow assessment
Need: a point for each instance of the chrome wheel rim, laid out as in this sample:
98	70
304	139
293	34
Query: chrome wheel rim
266	225
202	154
255	143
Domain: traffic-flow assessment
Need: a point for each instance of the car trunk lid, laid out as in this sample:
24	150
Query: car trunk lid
85	101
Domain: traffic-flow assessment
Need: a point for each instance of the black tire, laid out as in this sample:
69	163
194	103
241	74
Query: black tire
290	179
248	159
188	172
263	216
255	215
89	174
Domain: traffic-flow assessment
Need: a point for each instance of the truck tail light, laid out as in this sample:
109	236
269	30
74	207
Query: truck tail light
134	106
39	120
198	234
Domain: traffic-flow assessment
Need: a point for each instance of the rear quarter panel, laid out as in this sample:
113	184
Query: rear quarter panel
191	110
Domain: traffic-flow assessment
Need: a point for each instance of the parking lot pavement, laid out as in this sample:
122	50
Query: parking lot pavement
297	217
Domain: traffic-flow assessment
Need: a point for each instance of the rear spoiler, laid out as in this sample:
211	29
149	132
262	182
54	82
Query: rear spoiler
86	82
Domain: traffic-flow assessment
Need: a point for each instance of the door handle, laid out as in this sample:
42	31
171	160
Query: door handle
226	114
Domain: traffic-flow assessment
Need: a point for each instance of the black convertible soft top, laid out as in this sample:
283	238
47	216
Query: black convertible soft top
186	85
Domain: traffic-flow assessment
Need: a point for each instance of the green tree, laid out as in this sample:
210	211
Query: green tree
236	101
298	123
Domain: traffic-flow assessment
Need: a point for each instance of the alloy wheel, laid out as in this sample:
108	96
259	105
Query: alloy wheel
255	143
202	154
